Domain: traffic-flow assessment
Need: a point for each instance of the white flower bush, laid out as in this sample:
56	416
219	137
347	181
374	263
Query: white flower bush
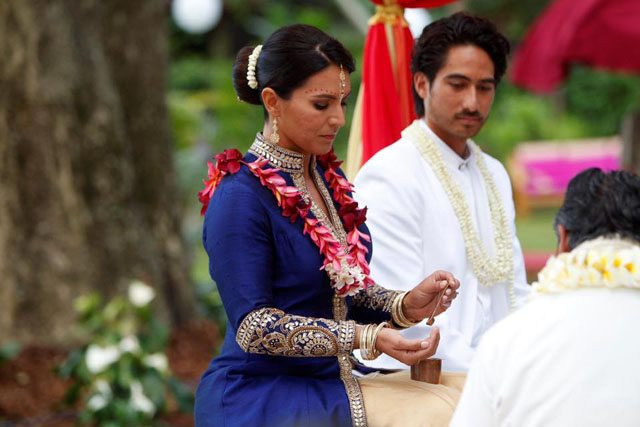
140	294
98	358
122	375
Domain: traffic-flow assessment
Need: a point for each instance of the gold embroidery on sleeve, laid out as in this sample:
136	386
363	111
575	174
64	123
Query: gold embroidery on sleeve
376	298
271	331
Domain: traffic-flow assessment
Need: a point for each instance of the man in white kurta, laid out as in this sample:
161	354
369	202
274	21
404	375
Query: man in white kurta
435	201
562	360
415	231
569	357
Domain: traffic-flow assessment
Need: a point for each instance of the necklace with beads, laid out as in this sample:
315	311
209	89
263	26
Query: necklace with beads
344	255
490	270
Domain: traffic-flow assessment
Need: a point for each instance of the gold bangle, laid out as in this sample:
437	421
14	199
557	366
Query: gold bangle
381	326
368	340
397	313
364	342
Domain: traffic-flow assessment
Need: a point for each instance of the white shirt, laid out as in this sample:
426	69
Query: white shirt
563	360
415	231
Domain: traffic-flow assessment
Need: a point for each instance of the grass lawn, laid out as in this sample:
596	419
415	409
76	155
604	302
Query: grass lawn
537	239
536	231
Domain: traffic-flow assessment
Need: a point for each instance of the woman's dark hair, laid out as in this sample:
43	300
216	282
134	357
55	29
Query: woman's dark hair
599	204
289	56
459	29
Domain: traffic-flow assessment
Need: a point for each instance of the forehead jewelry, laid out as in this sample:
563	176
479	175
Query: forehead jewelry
343	82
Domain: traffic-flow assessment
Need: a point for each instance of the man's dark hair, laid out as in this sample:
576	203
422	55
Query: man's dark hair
599	204
459	29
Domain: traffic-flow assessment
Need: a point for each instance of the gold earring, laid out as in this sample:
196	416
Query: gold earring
274	138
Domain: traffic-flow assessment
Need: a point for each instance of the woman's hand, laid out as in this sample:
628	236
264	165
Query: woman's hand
407	351
423	300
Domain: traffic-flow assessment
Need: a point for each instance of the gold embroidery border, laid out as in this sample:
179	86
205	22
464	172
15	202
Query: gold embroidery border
250	323
351	385
335	226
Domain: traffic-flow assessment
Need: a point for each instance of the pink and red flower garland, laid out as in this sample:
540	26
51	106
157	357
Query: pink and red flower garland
347	268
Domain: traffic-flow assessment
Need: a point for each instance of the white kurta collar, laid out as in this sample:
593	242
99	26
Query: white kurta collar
450	157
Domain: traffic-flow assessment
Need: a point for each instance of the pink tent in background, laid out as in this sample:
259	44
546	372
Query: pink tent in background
541	170
601	33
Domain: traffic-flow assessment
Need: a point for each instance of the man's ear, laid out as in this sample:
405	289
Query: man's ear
563	240
271	101
421	84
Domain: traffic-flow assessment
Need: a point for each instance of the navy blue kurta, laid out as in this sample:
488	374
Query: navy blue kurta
265	266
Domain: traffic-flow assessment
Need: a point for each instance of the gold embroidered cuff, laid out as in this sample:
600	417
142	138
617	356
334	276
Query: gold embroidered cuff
397	314
376	298
272	331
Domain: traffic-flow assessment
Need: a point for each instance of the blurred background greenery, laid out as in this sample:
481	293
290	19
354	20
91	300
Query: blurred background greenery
206	116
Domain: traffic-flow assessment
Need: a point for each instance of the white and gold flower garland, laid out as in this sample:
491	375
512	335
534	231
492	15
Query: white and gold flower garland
489	270
598	263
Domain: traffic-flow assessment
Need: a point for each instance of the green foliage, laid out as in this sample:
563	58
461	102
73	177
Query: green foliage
121	376
207	109
8	351
518	116
210	302
513	17
191	74
602	99
535	231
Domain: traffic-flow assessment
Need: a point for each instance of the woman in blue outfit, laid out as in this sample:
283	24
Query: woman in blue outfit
288	249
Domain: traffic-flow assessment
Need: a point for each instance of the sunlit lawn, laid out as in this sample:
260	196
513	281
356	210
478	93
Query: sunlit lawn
537	238
536	231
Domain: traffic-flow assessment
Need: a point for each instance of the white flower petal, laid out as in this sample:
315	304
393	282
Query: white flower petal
140	294
97	402
98	358
157	361
140	401
129	344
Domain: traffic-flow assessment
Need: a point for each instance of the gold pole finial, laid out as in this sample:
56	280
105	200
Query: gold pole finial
388	13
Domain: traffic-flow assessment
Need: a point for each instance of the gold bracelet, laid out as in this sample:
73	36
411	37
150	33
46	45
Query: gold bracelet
371	337
368	338
364	344
374	350
397	314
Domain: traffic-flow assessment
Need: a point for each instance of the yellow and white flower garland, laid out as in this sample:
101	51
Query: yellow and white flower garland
598	263
489	270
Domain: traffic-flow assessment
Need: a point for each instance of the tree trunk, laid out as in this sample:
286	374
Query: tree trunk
631	141
88	199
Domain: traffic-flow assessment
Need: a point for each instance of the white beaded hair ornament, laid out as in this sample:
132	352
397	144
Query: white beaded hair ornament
251	67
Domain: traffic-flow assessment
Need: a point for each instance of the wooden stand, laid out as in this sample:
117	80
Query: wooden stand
427	371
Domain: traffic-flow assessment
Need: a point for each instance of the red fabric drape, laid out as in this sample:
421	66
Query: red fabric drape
387	107
602	33
387	98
